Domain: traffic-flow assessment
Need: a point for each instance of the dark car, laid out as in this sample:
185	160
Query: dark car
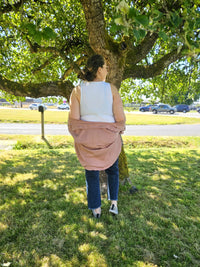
163	108
146	108
198	110
182	108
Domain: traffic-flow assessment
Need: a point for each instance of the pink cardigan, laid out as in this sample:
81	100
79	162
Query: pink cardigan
97	144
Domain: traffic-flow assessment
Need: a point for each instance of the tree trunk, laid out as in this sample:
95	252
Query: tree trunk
123	172
115	74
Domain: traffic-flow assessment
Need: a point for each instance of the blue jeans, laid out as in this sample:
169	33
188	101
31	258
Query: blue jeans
93	186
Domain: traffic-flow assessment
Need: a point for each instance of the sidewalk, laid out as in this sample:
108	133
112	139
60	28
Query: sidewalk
134	130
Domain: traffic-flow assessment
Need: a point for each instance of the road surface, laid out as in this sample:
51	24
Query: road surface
135	130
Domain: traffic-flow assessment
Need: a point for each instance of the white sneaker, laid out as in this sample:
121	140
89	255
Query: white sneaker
95	214
113	209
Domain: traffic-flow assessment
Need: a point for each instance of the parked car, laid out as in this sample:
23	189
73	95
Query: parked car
163	108
146	108
63	106
192	107
34	106
182	108
198	109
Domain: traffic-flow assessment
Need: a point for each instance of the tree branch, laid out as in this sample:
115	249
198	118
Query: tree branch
36	90
35	48
74	66
46	63
139	71
136	54
62	52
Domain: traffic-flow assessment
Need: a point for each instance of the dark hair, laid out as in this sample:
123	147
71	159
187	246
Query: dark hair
90	71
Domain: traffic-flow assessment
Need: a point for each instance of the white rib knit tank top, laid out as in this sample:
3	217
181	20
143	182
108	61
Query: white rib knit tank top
96	102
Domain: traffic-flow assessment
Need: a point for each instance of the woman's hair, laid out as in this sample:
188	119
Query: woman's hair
90	71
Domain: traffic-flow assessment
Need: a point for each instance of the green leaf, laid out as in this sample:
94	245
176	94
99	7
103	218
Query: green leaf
188	40
136	34
157	12
132	12
114	28
31	28
197	23
196	44
38	22
126	31
142	19
157	15
48	33
123	6
191	25
119	21
38	37
163	35
142	33
176	20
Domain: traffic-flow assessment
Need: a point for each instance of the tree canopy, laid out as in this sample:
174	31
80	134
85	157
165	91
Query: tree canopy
179	83
45	43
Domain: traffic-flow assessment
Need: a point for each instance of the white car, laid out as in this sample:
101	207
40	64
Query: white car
63	106
34	106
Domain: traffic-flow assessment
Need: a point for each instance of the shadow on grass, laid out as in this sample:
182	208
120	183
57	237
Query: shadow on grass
45	220
167	206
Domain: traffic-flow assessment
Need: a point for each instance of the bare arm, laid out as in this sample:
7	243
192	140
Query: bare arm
74	104
118	109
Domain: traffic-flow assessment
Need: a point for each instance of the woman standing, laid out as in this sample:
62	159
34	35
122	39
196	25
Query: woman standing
96	121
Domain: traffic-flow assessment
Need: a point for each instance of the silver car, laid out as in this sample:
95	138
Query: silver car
63	106
163	108
34	106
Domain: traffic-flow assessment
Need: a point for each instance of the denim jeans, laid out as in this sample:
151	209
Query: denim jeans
93	186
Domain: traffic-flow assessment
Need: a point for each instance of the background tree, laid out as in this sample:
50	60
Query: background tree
179	83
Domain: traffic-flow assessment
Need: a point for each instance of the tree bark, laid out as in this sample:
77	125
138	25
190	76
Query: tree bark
36	89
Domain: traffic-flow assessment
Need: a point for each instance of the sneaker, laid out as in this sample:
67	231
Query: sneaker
95	214
113	209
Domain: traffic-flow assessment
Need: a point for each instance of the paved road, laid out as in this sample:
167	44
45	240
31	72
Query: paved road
135	130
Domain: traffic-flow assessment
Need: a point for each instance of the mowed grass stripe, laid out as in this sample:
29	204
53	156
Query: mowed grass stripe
61	117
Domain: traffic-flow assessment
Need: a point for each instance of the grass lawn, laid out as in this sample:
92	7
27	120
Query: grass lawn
33	116
44	220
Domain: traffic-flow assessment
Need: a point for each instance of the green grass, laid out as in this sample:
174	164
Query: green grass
44	220
20	142
33	116
158	119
